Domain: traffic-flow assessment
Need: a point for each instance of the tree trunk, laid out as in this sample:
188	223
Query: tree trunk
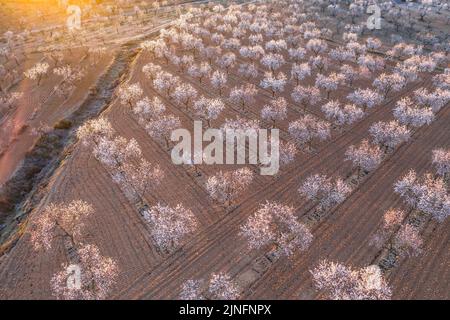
167	142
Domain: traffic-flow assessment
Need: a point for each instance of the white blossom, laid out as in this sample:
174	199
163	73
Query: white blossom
389	134
343	283
169	226
365	98
275	110
364	156
275	83
308	128
276	223
224	187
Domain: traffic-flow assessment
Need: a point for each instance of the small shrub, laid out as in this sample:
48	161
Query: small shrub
63	124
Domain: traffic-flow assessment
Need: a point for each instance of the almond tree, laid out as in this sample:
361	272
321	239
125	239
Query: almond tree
184	93
364	157
387	83
308	128
240	124
275	223
434	100
340	282
69	77
373	43
10	99
255	39
420	63
389	134
92	131
370	63
274	83
227	61
37	72
231	44
248	71
148	109
300	72
306	95
252	53
428	194
221	287
211	52
188	42
316	46
365	98
297	54
326	192
408	72
341	55
218	80
408	188
130	94
192	290
243	95
165	82
114	153
408	240
442	80
66	219
217	39
347	114
319	63
162	127
157	48
276	46
357	48
351	36
392	219
310	32
288	151
98	275
169	226
225	187
441	160
184	62
409	114
208	109
275	110
433	197
200	71
140	177
328	83
151	70
350	74
176	61
272	61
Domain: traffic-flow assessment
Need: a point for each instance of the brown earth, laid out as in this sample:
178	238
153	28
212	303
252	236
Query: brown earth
343	235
